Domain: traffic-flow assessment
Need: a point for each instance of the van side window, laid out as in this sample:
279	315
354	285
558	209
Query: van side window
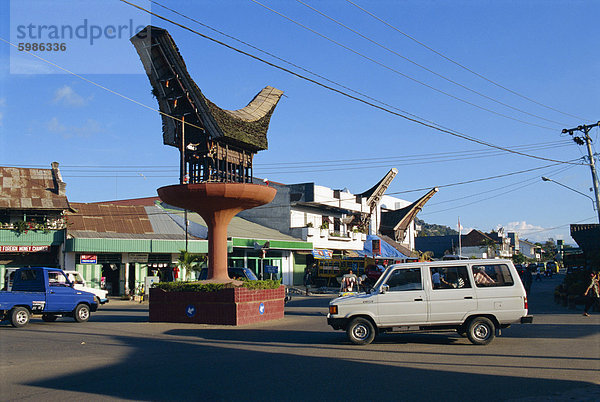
492	275
450	278
405	279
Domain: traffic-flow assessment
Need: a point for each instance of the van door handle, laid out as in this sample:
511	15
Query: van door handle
418	299
468	297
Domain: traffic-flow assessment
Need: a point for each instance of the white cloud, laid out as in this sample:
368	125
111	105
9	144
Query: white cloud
67	96
1	117
89	128
30	65
537	233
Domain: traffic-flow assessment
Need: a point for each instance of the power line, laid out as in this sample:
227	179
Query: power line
281	166
450	132
399	72
536	178
476	180
426	68
297	66
461	65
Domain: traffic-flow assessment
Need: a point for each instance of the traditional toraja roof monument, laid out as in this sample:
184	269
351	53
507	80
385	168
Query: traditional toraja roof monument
216	145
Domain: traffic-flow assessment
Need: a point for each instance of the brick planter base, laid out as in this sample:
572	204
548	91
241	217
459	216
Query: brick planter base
234	306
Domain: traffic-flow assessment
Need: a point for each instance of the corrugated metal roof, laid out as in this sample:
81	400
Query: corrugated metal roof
24	188
162	223
109	218
84	234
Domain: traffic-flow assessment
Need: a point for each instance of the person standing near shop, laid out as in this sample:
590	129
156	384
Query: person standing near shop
307	277
593	299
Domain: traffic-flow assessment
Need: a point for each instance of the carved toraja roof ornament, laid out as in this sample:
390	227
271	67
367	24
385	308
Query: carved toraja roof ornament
178	95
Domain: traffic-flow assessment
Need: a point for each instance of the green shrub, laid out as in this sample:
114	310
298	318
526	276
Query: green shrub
214	287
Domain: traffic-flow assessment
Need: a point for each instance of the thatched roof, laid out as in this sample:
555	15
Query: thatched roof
246	127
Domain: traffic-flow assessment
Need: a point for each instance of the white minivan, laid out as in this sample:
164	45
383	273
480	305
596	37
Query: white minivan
472	297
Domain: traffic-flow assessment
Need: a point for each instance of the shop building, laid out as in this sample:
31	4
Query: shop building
338	222
118	244
33	203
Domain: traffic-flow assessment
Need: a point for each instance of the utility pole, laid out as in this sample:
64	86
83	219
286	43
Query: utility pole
588	141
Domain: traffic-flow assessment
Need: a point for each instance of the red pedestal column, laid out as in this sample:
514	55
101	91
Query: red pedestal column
217	203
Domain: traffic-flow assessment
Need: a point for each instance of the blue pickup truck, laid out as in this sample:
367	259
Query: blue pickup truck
45	291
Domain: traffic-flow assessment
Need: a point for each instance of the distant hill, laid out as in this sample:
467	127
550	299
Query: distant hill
431	229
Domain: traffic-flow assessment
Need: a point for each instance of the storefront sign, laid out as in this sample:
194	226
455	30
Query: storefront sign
138	257
376	246
88	259
322	254
24	249
271	269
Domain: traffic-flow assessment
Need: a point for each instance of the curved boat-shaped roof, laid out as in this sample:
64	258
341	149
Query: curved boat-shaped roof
178	95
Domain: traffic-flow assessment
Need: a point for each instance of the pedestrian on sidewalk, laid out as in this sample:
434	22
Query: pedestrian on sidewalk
594	298
538	274
308	278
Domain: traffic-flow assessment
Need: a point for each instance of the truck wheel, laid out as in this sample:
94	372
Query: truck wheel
19	317
360	331
49	317
481	331
81	313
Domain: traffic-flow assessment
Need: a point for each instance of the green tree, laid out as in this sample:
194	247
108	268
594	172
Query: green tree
190	262
490	246
519	258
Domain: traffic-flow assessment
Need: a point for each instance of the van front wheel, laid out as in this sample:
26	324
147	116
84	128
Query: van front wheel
360	331
481	331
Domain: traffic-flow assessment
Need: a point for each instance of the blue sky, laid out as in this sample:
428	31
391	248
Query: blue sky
109	147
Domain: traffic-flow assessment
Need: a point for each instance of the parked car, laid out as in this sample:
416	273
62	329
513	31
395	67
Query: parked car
79	283
240	273
472	297
9	276
45	291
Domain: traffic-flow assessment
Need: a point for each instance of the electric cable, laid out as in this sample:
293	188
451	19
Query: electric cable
395	71
426	68
450	132
463	66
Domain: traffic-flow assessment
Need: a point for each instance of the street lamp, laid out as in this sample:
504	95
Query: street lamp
572	189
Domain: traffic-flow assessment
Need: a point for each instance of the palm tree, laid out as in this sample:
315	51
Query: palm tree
190	262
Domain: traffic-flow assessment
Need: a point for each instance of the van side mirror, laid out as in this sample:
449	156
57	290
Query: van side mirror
384	288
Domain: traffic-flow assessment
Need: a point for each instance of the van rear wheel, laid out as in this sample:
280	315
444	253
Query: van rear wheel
481	331
360	331
19	317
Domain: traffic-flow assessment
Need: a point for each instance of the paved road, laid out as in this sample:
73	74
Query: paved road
118	355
